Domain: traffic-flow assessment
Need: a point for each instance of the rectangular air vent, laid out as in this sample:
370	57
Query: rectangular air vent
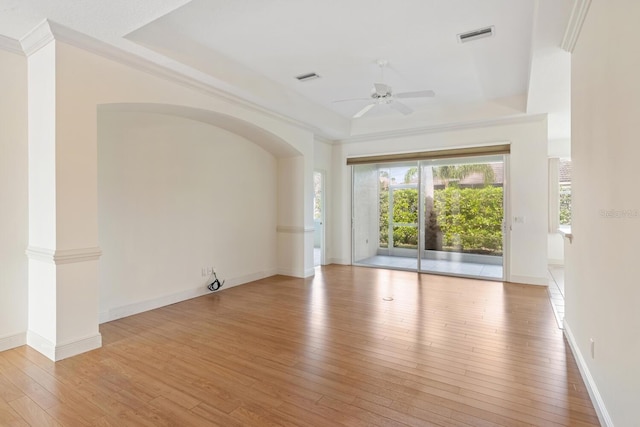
307	77
475	35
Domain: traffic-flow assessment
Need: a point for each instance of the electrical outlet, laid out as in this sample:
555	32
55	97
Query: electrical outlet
592	344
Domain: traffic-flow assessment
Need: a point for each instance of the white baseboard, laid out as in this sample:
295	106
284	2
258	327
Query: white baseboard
153	303
339	261
41	344
555	262
529	280
63	350
79	346
285	271
13	341
592	388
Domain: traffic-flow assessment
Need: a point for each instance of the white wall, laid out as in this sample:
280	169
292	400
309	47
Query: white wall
527	184
175	196
13	200
602	268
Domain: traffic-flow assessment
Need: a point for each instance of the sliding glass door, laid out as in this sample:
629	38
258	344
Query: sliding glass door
463	215
438	216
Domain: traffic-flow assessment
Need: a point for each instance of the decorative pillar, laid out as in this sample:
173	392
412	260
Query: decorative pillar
63	247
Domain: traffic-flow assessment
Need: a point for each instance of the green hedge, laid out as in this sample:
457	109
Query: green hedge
463	220
470	219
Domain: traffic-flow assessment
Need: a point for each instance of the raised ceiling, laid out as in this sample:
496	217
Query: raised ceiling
253	49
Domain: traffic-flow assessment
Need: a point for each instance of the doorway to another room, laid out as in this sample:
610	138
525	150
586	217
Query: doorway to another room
318	218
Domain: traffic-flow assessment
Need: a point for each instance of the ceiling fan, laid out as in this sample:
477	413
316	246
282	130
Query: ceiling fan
381	93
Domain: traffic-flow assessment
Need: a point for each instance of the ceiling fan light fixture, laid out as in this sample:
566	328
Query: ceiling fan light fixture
307	76
476	34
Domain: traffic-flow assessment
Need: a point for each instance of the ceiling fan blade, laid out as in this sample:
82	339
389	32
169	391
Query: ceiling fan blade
399	106
351	99
382	89
416	94
364	111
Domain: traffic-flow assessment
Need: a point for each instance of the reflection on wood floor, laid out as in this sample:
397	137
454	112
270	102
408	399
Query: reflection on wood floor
456	268
351	346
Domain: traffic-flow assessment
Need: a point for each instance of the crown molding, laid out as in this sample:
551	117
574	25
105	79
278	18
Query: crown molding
40	36
324	139
448	127
49	30
11	45
574	26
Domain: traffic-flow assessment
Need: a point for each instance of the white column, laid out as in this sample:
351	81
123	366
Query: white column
63	248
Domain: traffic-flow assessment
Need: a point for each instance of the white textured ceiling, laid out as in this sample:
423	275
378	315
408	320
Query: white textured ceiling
256	47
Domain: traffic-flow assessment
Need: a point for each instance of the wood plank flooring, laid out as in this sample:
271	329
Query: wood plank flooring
325	351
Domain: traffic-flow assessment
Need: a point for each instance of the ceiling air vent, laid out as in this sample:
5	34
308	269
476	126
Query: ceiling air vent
475	35
308	76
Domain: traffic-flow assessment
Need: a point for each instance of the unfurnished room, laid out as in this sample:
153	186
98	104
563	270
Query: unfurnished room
297	213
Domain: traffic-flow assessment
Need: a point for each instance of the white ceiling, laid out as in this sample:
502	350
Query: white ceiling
254	48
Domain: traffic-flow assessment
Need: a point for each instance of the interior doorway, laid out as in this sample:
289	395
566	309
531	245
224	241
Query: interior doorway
443	216
318	218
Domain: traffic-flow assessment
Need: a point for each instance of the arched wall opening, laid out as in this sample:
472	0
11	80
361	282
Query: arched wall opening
70	91
182	191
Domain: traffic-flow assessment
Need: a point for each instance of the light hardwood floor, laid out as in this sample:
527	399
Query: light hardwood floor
325	351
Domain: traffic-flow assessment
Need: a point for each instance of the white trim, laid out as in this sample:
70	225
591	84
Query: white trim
13	341
294	229
555	262
592	388
286	271
194	79
76	347
40	36
41	344
303	274
399	133
529	280
64	350
40	254
151	304
574	26
65	256
162	301
339	261
324	140
68	256
11	45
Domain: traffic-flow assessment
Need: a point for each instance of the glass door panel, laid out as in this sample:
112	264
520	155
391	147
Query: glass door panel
365	214
462	215
391	209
